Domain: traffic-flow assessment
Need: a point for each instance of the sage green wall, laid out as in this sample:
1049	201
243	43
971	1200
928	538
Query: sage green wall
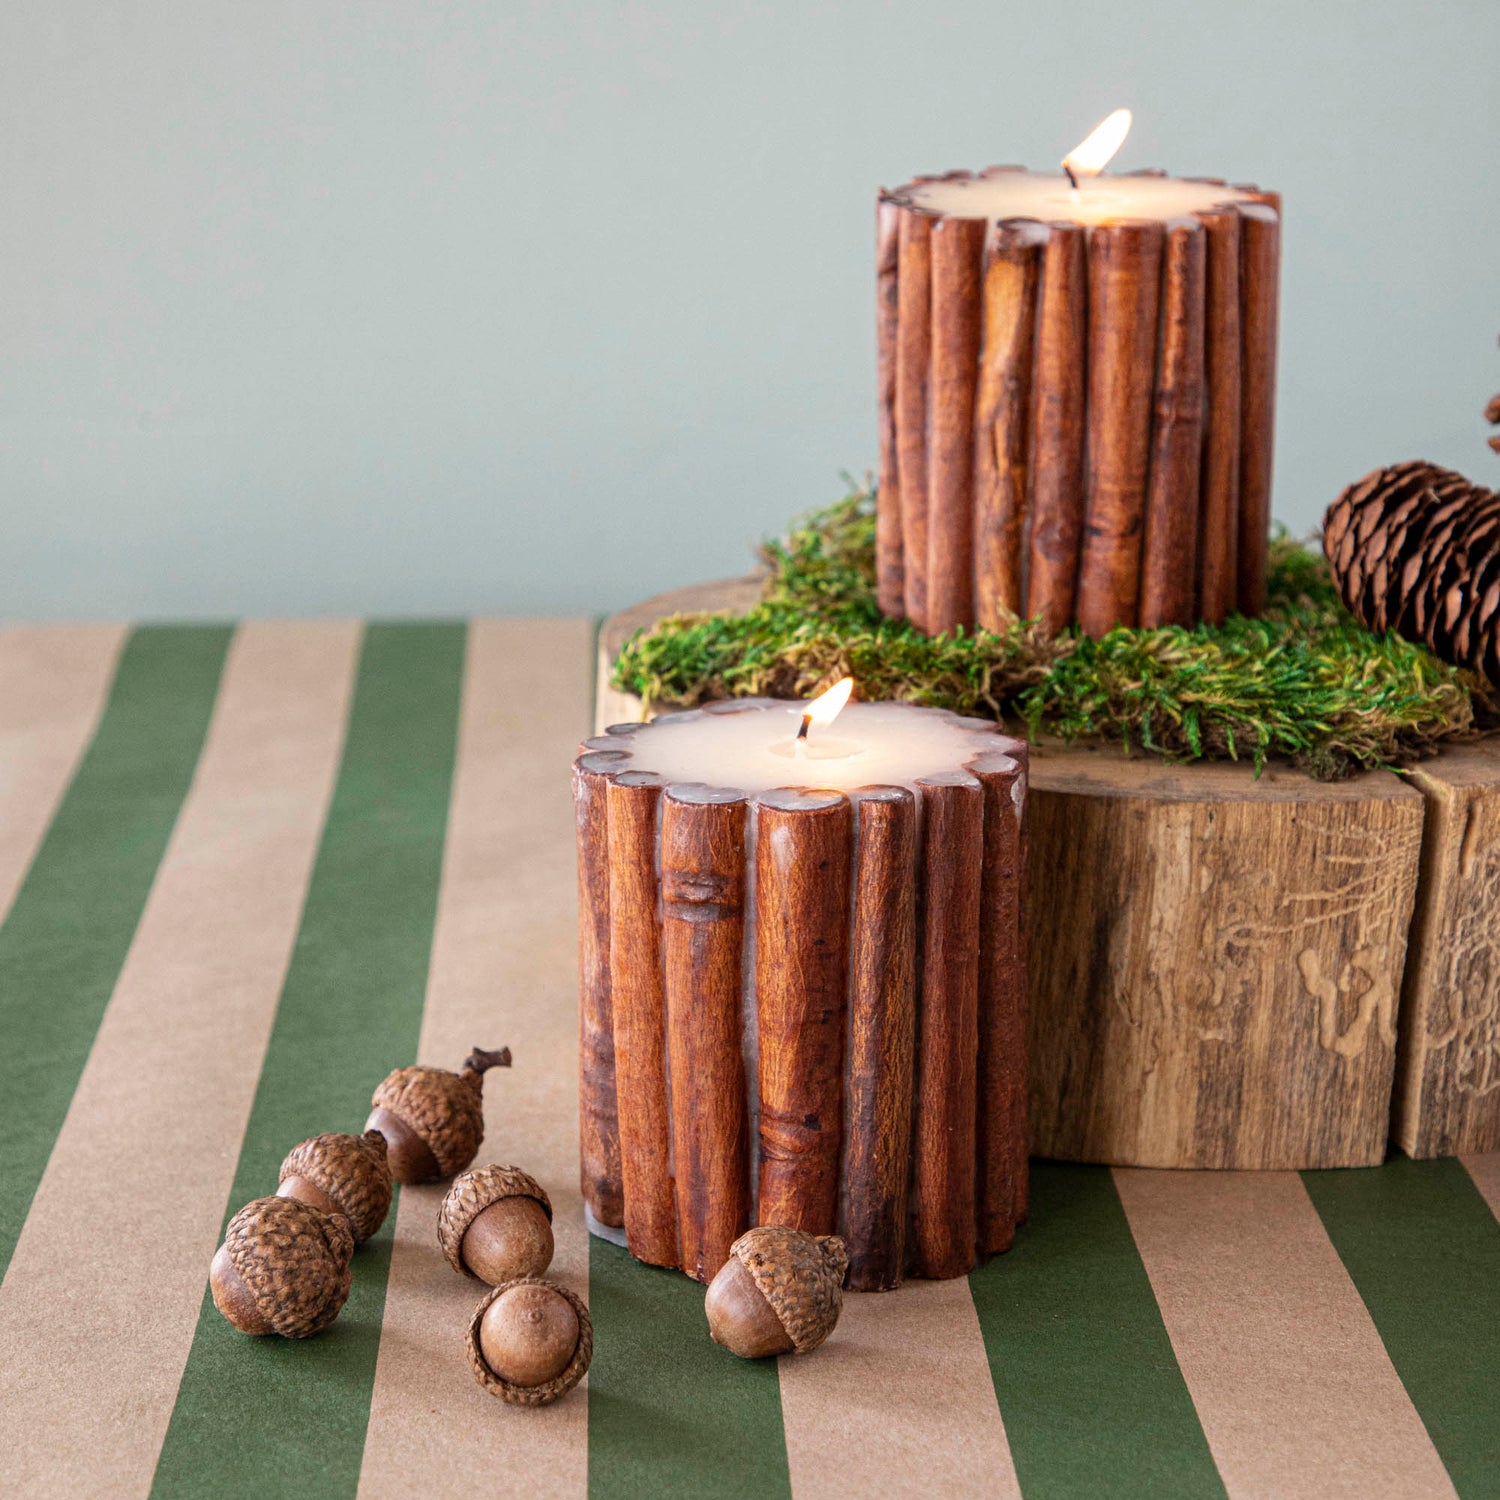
393	307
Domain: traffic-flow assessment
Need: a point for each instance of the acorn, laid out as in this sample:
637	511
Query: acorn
341	1174
433	1120
283	1268
780	1291
496	1224
530	1341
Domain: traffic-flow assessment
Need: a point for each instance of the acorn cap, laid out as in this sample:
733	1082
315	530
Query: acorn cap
445	1109
352	1171
531	1395
800	1275
294	1261
472	1193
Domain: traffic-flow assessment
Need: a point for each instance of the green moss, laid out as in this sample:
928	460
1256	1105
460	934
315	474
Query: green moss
1304	682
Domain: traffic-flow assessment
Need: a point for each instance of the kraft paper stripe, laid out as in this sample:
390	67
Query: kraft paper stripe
1293	1386
149	1142
72	920
1423	1249
1485	1173
504	972
273	1416
1093	1400
899	1401
671	1415
54	680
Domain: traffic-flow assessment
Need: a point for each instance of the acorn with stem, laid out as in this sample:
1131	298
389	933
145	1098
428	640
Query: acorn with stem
433	1120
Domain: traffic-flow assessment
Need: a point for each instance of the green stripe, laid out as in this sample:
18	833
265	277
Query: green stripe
273	1416
671	1413
1423	1250
71	925
1089	1389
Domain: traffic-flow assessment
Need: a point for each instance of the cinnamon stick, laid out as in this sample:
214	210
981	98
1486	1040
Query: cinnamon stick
957	262
1260	279
1218	528
703	934
1012	273
598	1116
882	1022
801	944
635	976
1001	1143
889	563
942	1242
1124	286
913	354
1169	564
1058	428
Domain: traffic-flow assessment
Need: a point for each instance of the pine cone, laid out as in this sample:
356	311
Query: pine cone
1416	549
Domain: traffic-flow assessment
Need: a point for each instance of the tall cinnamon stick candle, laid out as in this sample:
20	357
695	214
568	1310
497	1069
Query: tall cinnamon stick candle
817	994
1121	399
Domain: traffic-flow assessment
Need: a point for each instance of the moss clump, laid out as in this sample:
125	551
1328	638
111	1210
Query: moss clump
1305	681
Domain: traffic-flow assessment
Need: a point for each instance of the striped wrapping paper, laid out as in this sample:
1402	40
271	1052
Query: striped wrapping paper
246	871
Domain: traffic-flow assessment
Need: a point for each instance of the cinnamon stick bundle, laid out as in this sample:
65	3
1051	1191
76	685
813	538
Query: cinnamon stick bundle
598	1110
882	1023
943	1236
1124	284
1260	282
913	357
1012	274
889	548
1218	536
957	248
802	858
703	937
636	989
1169	558
1058	427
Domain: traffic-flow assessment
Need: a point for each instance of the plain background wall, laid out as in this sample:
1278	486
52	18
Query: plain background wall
394	307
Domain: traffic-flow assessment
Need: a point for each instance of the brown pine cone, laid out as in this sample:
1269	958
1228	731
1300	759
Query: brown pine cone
1416	548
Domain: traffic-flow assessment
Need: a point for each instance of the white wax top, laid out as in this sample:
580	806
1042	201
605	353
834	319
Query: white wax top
1048	197
868	744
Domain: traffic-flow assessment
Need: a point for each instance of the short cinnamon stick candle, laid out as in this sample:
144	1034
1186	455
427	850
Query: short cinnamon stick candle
1122	407
792	1043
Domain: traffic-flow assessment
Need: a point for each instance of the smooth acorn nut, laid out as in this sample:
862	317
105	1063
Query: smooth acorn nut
780	1292
496	1224
342	1174
433	1120
283	1268
530	1341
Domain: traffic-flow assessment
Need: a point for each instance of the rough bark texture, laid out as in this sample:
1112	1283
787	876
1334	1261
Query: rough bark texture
1215	962
1448	1071
1218	532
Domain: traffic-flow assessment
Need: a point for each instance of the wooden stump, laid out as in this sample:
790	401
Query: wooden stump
1216	962
1448	1079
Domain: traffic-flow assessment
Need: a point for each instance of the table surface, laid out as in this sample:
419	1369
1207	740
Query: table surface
246	871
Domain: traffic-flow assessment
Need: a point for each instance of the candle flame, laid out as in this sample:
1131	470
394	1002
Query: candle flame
1096	150
826	707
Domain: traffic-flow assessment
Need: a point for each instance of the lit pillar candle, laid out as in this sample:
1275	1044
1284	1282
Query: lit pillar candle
1076	395
813	980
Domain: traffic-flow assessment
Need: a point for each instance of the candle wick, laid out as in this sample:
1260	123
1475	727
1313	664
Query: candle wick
1072	176
806	725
